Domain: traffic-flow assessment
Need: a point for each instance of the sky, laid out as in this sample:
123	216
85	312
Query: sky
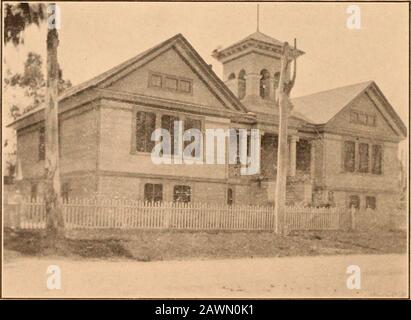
97	36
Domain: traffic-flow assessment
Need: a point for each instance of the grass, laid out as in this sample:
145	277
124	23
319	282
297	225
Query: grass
34	243
166	245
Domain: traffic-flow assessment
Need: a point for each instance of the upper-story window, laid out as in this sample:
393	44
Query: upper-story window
170	82
231	76
264	84
185	86
241	85
156	80
42	143
145	125
362	118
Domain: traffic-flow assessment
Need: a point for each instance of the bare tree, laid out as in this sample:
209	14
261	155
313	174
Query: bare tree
283	95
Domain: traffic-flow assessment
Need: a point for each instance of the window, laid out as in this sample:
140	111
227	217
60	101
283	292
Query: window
241	85
171	83
182	193
33	192
370	203
362	118
366	119
145	125
65	191
331	197
364	157
276	82
230	198
349	156
371	120
264	84
354	117
303	155
42	143
190	123
377	159
156	80
364	153
167	122
231	76
354	202
185	86
153	192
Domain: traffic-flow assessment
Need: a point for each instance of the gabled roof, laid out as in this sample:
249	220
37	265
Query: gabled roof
319	108
259	36
221	88
177	38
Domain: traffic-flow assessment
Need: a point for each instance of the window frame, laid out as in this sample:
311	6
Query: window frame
153	195
361	161
381	146
357	163
345	156
148	139
159	114
367	197
150	82
163	86
355	118
359	201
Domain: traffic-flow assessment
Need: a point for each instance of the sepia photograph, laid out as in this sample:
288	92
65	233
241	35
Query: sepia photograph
205	150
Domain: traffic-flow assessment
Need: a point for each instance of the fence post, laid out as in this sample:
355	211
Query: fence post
352	211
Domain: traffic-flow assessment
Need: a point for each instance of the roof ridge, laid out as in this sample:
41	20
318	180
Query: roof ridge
335	88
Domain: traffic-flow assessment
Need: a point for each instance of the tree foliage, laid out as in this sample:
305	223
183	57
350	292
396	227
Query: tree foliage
33	85
17	17
24	92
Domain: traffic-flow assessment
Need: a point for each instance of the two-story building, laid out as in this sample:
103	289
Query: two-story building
342	142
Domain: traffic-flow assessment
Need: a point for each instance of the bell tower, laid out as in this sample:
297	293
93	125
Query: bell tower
251	69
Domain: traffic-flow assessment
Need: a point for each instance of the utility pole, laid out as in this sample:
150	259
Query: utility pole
53	201
285	106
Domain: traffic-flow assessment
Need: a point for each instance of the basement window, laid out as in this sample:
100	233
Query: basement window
153	192
182	193
370	203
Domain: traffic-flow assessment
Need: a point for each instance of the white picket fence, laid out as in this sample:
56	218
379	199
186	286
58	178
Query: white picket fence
129	214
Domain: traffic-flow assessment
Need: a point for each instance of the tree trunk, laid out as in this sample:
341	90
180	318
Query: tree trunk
284	104
55	223
281	180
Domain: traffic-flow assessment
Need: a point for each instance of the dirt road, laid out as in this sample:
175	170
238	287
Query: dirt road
381	276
